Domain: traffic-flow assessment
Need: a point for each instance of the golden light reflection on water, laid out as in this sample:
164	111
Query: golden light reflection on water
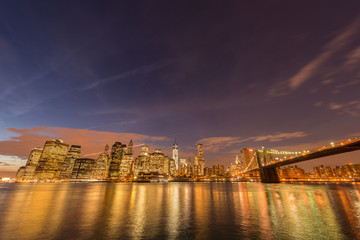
179	211
138	212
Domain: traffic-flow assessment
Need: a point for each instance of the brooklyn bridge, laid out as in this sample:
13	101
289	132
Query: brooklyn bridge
267	165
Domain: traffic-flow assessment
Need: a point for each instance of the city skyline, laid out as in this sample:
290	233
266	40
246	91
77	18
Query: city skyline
59	161
15	163
230	75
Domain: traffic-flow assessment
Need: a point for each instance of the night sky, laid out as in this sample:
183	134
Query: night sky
228	74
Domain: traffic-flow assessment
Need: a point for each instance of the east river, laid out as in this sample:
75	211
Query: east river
179	211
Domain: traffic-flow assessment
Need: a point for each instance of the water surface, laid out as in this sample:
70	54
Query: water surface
179	211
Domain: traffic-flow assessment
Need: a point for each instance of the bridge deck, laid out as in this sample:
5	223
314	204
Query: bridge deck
322	152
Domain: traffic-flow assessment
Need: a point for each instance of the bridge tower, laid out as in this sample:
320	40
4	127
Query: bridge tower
267	174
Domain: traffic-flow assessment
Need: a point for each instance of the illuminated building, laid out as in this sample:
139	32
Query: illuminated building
167	165
201	159
117	151
221	170
20	173
196	160
323	172
189	170
197	171
172	167
183	163
292	172
127	161
182	167
51	159
249	158
218	170
157	161
100	169
176	154
237	161
196	166
347	171
328	172
144	150
235	168
208	171
318	171
356	169
351	170
31	163
142	162
68	164
83	168
338	172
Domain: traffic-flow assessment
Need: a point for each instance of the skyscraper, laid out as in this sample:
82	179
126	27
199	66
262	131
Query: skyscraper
117	151
127	161
201	158
68	164
83	168
142	162
51	159
32	162
196	160
176	154
183	163
236	168
157	162
196	166
20	173
249	158
172	167
237	161
100	169
182	167
218	170
189	170
144	150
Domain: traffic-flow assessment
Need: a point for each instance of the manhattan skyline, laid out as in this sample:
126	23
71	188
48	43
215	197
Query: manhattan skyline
228	75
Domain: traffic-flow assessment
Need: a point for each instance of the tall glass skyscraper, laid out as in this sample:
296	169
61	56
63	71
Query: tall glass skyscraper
176	154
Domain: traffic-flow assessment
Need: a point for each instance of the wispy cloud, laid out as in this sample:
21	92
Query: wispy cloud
312	67
327	81
19	104
352	59
351	108
48	69
319	104
334	106
279	136
135	71
214	144
350	83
